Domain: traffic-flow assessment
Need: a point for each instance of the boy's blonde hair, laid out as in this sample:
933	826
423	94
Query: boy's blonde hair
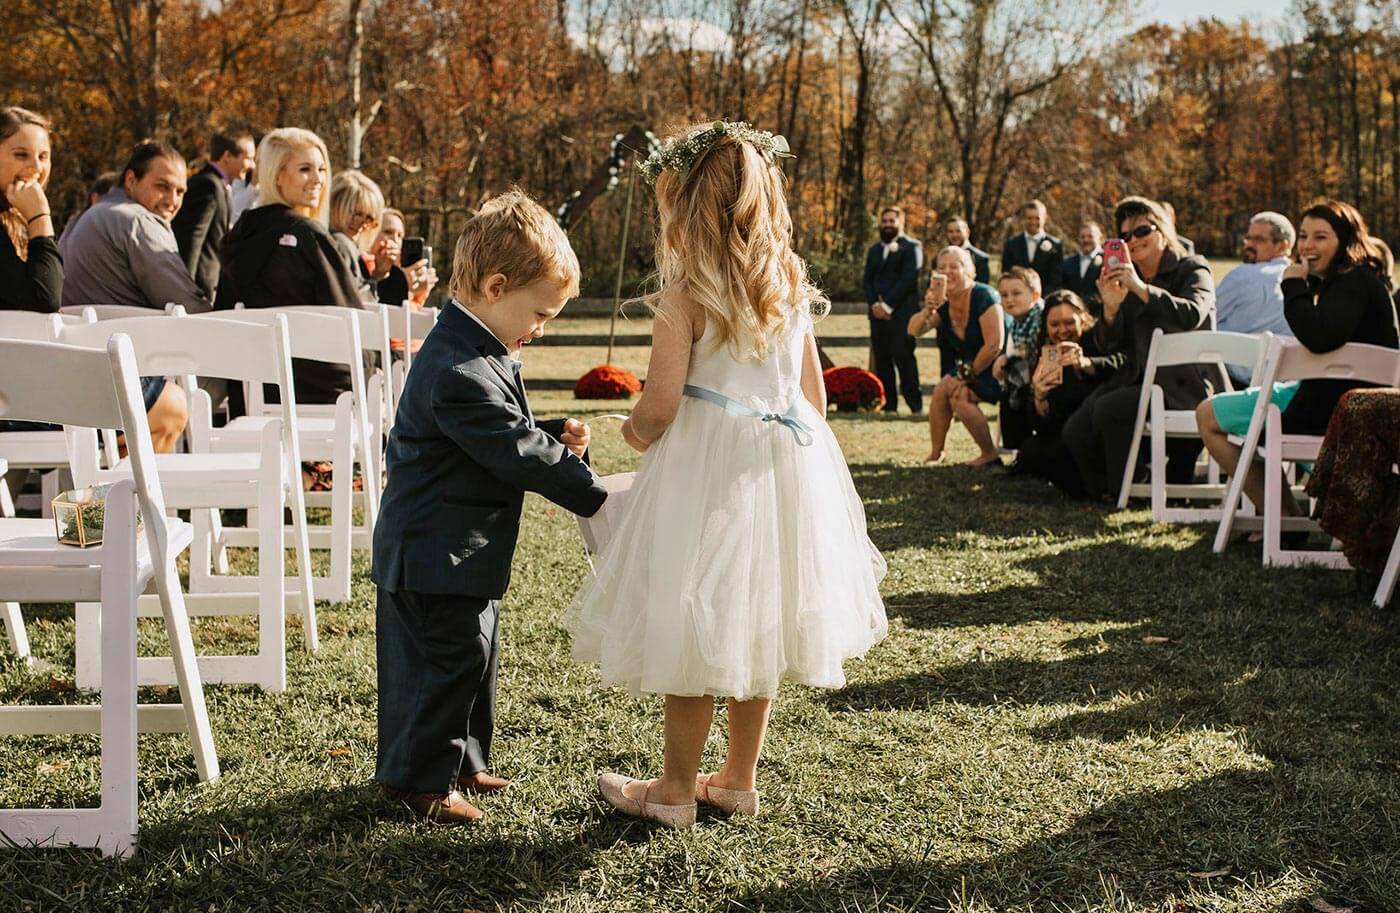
351	191
274	150
726	243
512	235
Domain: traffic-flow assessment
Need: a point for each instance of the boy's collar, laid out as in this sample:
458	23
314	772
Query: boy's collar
502	349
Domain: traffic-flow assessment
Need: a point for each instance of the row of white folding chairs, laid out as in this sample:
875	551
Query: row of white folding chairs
83	389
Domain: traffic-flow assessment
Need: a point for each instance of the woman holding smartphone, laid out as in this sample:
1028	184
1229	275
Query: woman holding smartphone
1161	288
971	334
31	270
1336	292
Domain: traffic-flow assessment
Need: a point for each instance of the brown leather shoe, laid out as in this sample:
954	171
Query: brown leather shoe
482	782
448	808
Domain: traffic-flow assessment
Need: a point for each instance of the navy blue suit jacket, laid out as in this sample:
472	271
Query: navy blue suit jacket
1049	254
894	279
981	263
463	451
1085	287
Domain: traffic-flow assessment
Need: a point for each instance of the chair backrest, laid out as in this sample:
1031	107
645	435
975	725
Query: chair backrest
86	388
202	346
89	312
373	324
1216	348
30	326
1290	360
326	334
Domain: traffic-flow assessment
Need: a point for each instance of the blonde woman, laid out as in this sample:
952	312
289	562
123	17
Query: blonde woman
743	560
281	253
357	206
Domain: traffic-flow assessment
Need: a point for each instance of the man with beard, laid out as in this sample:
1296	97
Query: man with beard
1249	299
892	297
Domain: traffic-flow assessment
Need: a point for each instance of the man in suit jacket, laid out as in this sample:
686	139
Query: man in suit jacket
204	218
1080	273
892	296
1035	248
463	451
958	236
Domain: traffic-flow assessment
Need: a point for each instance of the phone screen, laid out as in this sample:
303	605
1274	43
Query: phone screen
411	252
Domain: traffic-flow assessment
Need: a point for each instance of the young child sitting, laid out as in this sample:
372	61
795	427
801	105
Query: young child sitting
1020	297
742	560
463	451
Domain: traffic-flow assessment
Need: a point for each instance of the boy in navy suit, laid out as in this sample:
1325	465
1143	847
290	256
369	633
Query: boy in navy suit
463	451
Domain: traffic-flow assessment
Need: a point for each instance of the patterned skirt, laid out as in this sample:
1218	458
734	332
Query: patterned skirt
1354	479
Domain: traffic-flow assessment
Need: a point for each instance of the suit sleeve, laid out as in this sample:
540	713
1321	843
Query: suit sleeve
982	267
1057	267
871	293
1320	327
1006	259
496	435
191	223
908	273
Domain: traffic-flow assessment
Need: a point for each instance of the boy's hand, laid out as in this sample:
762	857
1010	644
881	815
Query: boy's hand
576	436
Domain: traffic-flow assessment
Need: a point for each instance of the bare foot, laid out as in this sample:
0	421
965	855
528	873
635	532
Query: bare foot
985	459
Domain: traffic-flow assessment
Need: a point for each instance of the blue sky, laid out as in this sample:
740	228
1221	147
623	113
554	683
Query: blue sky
1176	12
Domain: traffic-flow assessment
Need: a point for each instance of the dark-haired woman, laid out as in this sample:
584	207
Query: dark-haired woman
1337	292
31	270
1059	387
1162	288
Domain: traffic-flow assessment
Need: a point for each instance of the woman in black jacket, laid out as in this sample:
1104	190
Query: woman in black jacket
1338	292
1059	388
280	253
1163	288
31	270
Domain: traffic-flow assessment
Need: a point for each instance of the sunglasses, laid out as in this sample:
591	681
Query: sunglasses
1141	231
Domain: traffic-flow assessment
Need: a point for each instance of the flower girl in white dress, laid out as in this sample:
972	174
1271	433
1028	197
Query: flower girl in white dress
742	559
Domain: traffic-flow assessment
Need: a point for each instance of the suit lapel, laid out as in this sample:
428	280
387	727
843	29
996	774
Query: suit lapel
490	348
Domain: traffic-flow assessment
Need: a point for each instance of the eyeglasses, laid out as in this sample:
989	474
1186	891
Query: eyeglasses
1259	239
1141	231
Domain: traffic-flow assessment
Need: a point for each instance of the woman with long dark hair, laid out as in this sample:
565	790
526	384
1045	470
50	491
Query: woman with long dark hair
31	269
1337	292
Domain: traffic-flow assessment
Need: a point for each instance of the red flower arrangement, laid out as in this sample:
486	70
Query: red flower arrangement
607	382
852	389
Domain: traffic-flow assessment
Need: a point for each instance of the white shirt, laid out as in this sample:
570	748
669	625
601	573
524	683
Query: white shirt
466	310
1031	242
1086	259
891	248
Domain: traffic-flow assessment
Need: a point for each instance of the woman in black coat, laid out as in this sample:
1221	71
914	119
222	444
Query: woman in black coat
31	270
1163	288
1338	292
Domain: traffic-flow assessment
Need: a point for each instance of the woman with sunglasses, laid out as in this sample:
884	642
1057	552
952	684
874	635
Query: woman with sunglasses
1164	288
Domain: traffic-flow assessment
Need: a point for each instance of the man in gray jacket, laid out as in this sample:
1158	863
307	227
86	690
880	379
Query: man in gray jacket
122	251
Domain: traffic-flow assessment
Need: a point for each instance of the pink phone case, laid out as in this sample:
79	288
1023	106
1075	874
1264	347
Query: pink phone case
1115	253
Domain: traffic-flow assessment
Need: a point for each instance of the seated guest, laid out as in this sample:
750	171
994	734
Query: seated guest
1035	248
31	269
96	191
205	216
1249	299
1080	273
959	236
1357	491
1020	299
1068	367
1332	296
280	252
398	283
356	206
123	251
971	334
1162	288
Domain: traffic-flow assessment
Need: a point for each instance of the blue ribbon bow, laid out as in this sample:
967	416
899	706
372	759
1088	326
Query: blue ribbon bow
789	420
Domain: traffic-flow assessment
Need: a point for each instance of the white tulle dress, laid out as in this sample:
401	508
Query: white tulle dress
742	558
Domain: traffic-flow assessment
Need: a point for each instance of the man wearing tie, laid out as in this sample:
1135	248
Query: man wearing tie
1035	248
959	236
891	294
203	219
1080	273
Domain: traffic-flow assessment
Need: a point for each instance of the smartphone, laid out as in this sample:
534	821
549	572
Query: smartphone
1115	253
1049	366
428	254
411	251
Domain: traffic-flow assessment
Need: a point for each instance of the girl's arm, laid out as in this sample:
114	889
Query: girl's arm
672	333
812	385
993	326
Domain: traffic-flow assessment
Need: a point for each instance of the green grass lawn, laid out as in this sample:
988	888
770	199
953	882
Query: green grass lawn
1075	710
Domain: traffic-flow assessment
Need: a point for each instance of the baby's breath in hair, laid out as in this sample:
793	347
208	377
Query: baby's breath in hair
682	152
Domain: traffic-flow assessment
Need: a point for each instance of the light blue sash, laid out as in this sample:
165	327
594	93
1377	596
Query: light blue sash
789	420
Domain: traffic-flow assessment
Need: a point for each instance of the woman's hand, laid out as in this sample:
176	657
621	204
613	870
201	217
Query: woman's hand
27	197
1072	356
1112	291
937	292
1128	278
421	279
630	436
1298	269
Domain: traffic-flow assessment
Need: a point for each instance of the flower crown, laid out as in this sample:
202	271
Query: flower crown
682	152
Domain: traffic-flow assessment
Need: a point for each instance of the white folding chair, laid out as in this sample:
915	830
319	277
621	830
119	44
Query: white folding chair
267	479
89	313
10	611
407	323
1216	349
1287	360
1386	589
340	433
86	389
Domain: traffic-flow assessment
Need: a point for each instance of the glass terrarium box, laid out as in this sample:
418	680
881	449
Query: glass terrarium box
79	515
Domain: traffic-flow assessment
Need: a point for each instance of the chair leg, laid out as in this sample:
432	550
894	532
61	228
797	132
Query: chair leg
118	715
1273	494
342	507
14	631
177	628
87	647
1392	568
1158	455
302	546
272	591
216	537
